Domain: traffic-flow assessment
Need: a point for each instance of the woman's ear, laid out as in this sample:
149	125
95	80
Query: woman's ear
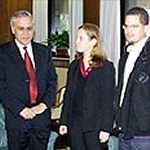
94	41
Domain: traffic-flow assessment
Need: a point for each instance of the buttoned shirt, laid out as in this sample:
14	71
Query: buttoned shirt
29	50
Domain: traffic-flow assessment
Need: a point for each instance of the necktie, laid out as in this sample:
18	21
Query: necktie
33	90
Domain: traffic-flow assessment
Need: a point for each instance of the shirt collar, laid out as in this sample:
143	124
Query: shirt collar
133	48
21	46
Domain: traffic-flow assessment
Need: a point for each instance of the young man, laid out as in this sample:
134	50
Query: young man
28	83
134	83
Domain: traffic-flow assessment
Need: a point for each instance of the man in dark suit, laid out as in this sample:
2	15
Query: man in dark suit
134	83
28	84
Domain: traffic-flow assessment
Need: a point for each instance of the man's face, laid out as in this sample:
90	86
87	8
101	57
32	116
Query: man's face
133	29
23	30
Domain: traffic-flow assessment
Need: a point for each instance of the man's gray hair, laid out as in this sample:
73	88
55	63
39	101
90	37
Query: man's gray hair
18	14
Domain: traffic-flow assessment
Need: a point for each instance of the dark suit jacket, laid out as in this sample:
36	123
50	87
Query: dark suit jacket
14	83
98	97
134	115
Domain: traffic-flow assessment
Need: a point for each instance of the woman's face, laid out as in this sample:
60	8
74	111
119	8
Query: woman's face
83	42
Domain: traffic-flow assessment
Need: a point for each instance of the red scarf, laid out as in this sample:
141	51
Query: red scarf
84	72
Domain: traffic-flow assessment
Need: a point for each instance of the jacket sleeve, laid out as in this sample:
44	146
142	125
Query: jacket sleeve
67	106
109	91
50	93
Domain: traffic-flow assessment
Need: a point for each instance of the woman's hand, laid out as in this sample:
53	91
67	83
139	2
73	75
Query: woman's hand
103	136
63	129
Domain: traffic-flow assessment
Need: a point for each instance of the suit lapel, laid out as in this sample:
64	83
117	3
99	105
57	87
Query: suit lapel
17	58
37	54
121	70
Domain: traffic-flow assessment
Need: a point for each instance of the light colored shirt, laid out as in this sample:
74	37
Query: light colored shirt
29	50
134	52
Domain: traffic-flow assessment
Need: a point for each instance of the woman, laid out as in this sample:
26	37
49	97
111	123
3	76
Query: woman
87	114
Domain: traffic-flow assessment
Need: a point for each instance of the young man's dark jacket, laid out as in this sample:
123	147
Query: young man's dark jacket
134	115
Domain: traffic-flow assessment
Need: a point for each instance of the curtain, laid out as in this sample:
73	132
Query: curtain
76	19
110	28
40	12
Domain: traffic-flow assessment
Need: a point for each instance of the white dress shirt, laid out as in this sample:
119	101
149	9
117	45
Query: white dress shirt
29	50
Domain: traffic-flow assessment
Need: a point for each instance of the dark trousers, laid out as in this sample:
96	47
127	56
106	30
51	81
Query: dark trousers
84	140
30	139
137	143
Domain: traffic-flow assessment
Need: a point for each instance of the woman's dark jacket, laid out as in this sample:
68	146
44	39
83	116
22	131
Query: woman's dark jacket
98	97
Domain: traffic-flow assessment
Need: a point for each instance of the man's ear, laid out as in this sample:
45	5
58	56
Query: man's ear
147	29
12	30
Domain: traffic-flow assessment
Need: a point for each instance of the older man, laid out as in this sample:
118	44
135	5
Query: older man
28	83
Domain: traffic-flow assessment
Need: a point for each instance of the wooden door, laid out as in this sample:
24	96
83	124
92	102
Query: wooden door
7	8
91	11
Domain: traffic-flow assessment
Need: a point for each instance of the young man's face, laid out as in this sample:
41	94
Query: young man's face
23	30
133	29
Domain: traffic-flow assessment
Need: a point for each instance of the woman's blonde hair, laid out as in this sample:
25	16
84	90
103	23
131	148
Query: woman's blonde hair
98	55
